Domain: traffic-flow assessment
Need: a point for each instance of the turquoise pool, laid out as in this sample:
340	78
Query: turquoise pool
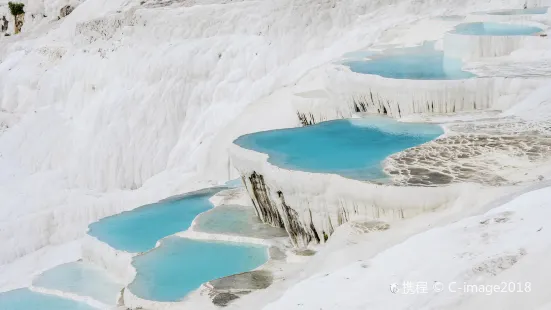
24	299
179	266
351	148
495	29
139	230
416	65
81	279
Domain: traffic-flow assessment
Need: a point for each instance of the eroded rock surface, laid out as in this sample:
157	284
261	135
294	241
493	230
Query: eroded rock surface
475	153
370	226
66	10
223	299
246	281
227	289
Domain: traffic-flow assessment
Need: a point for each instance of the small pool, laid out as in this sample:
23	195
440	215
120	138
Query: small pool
140	229
81	279
179	266
236	220
24	299
417	65
530	11
495	29
351	148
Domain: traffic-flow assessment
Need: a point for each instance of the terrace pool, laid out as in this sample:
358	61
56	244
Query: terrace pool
25	299
352	148
81	279
236	220
180	265
139	230
418	65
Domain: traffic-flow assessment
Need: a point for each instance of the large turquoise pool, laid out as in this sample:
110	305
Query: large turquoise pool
351	148
179	266
24	299
140	229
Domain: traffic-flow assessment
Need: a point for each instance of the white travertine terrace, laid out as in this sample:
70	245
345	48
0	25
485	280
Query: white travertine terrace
132	301
117	263
473	47
72	296
491	16
343	93
473	18
117	105
311	205
537	3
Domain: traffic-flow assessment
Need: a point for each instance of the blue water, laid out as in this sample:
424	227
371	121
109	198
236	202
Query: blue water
520	11
179	266
140	229
351	148
417	65
24	299
81	279
495	29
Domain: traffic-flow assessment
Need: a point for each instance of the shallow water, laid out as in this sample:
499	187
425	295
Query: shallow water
24	299
179	266
495	29
81	279
351	148
417	65
140	229
236	220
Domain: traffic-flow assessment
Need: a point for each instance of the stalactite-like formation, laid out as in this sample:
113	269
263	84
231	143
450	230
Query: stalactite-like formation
306	120
272	209
264	207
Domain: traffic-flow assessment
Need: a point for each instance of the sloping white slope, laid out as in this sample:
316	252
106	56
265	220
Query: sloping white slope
508	244
536	107
116	105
